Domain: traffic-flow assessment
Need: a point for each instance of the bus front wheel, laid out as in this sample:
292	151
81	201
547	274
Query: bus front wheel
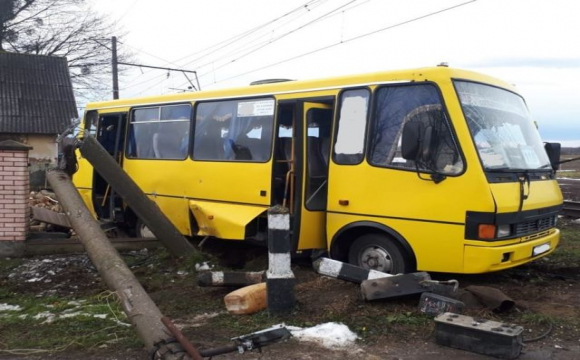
379	252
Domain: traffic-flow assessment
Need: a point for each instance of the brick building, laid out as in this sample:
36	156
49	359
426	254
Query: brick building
14	190
36	104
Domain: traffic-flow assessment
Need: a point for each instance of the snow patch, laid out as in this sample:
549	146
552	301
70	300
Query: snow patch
329	335
6	307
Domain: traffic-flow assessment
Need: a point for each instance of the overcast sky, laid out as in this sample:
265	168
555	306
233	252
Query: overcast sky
532	44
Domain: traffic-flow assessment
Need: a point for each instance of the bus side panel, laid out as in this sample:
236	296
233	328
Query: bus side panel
234	182
176	210
437	246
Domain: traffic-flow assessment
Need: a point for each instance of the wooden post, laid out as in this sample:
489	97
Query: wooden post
140	309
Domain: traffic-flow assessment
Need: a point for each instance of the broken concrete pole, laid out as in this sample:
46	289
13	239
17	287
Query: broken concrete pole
279	277
343	271
230	278
394	286
135	198
247	300
140	309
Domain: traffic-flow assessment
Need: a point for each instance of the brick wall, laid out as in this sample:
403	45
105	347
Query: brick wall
14	191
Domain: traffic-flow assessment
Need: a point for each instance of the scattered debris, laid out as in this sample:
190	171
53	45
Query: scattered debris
394	286
491	298
344	271
329	335
479	335
38	275
230	278
7	307
433	304
252	341
204	266
247	300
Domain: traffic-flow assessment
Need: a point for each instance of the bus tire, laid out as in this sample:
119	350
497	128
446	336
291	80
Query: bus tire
379	252
142	231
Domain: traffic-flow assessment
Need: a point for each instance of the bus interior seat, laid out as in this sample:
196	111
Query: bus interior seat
316	161
165	147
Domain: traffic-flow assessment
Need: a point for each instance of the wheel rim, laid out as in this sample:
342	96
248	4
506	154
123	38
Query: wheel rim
145	232
376	258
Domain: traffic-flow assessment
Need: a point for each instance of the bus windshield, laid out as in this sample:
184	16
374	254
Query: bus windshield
501	127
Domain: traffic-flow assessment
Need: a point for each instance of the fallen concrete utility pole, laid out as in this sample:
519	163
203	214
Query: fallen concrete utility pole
143	207
343	271
140	309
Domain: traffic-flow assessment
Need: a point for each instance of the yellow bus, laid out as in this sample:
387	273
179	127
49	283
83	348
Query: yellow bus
431	169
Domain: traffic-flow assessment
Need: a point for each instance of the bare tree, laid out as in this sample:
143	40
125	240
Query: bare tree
67	28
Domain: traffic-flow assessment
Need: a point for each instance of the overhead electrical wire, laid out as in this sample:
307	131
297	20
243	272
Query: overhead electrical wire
261	46
348	40
308	5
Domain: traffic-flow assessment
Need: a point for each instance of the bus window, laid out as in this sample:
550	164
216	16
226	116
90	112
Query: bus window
234	130
160	132
396	105
349	145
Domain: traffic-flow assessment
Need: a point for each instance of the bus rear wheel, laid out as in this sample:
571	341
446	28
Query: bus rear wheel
379	252
142	231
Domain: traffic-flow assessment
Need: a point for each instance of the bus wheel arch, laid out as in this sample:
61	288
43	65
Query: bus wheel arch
365	233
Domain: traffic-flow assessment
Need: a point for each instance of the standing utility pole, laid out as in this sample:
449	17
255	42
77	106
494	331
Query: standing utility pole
115	72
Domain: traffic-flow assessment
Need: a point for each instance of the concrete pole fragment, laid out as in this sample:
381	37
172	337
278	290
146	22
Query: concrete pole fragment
279	277
145	209
343	271
136	303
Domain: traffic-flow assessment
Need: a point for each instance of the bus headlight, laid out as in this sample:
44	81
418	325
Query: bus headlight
503	231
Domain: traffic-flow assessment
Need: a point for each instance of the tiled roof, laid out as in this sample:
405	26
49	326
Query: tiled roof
36	95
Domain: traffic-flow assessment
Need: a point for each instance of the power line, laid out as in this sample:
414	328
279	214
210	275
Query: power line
348	40
261	46
233	39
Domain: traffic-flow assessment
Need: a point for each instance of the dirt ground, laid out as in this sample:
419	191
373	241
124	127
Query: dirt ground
545	291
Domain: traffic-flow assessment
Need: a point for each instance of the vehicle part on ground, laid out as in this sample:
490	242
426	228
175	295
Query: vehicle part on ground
492	298
447	288
481	336
279	277
433	304
136	303
379	252
230	278
394	286
253	341
144	208
343	271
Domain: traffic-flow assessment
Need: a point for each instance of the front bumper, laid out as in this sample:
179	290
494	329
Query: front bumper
481	259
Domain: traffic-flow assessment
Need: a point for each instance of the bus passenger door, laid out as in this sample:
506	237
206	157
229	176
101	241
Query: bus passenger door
110	134
317	124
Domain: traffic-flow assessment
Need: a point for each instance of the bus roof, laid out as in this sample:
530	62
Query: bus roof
440	74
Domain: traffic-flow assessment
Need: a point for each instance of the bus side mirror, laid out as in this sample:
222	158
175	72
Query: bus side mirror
553	150
411	140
